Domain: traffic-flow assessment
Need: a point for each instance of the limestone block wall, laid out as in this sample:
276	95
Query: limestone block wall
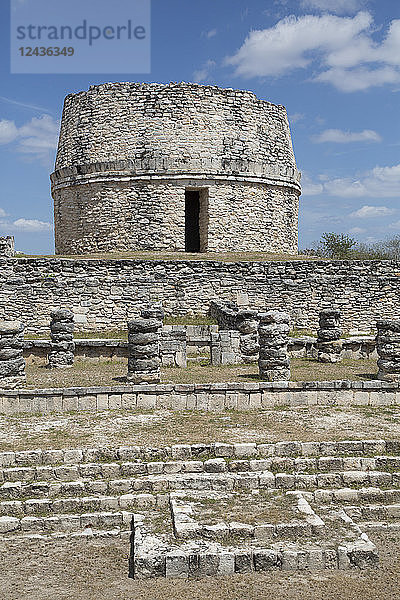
127	152
150	215
104	294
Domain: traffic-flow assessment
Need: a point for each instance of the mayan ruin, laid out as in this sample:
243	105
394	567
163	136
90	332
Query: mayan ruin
200	301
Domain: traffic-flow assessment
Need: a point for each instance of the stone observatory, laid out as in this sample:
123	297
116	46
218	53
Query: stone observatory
177	167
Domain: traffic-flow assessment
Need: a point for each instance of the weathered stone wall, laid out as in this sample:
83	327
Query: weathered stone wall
7	246
128	151
104	294
202	396
150	215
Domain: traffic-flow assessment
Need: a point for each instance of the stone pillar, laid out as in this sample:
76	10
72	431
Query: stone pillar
273	337
12	363
62	345
388	349
153	311
144	347
329	345
247	324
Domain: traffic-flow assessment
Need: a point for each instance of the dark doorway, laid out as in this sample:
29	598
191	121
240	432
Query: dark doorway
192	221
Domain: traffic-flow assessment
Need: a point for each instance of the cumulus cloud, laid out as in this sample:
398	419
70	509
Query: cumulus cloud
8	131
338	136
36	139
31	225
341	7
341	51
380	182
366	212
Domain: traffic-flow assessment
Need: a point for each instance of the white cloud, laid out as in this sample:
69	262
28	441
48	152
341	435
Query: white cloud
210	34
204	73
366	212
36	139
334	6
380	182
357	231
31	225
310	188
341	50
345	137
8	131
2	212
296	117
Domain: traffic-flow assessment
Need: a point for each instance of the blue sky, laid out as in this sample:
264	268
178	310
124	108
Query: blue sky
334	64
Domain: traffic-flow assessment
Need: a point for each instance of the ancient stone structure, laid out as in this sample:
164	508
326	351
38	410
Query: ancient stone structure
231	318
62	346
174	167
388	349
329	345
12	363
7	246
104	294
273	336
144	349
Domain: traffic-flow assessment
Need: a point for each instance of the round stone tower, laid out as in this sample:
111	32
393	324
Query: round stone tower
178	167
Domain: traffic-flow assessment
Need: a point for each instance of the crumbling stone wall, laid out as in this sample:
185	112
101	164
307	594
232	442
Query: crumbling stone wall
128	151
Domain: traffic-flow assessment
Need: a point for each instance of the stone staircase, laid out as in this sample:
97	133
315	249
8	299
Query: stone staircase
207	509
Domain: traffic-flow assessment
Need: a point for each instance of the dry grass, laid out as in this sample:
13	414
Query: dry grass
161	256
264	507
165	427
107	373
80	570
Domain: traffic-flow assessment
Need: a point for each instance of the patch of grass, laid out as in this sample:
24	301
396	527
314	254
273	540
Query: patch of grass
107	373
184	256
190	320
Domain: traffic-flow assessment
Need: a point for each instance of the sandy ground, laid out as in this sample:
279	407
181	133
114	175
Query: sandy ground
72	570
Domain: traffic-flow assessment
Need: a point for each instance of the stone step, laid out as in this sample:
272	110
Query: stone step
325	487
82	504
64	522
103	470
289	449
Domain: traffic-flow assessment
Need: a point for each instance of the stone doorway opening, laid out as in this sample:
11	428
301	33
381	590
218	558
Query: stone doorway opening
196	219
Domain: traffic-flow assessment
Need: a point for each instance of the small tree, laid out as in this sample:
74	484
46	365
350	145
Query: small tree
337	245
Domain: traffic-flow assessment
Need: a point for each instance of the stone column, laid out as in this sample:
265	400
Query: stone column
247	324
329	345
388	349
62	345
12	364
273	337
144	349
